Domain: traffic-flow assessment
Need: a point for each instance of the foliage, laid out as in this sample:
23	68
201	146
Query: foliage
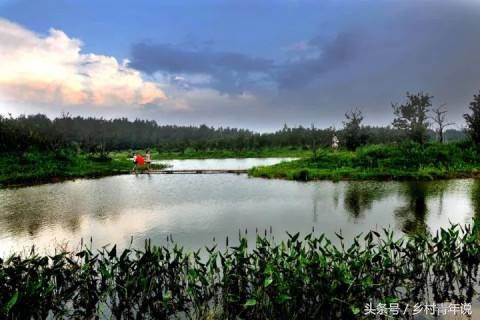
412	116
226	153
473	119
353	132
34	166
26	132
100	136
407	160
309	278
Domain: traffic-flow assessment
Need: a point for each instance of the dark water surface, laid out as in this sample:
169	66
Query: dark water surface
194	209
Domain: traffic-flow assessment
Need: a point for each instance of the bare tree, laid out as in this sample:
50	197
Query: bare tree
439	117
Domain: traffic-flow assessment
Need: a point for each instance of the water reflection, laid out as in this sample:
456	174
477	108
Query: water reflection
194	209
360	195
412	215
475	198
317	198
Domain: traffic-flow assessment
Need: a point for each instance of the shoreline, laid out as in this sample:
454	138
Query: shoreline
79	167
58	179
258	173
255	172
407	161
37	168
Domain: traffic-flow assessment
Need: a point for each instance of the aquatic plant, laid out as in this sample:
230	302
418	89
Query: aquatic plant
301	278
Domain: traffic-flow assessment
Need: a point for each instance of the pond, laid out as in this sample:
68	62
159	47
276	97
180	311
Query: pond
198	210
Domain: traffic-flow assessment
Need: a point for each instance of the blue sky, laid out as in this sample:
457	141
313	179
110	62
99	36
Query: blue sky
255	64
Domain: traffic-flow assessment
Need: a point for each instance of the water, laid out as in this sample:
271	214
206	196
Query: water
195	209
222	164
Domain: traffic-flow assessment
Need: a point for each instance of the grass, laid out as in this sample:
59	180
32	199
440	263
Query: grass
35	167
308	278
385	162
406	161
39	167
189	153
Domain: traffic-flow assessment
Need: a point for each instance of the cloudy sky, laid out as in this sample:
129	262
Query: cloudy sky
248	63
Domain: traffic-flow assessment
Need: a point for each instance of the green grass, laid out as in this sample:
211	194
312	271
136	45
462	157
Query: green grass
383	162
222	154
39	167
309	278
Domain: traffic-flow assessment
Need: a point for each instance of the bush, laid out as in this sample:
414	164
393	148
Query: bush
302	175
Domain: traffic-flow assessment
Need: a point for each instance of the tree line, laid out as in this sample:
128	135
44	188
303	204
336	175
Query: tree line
415	120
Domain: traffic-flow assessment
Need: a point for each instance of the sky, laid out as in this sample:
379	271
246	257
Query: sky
238	63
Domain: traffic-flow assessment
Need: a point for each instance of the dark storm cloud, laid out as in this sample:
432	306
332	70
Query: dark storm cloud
417	46
231	72
330	55
368	60
235	72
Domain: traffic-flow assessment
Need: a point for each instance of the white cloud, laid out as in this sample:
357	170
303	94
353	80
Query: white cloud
52	69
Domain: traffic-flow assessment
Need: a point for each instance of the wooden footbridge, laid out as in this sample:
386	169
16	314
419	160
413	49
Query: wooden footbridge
195	171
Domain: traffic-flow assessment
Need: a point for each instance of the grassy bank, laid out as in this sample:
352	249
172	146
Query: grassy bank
223	154
35	167
384	162
307	278
40	167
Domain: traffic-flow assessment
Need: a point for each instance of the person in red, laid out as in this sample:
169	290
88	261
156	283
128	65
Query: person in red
138	160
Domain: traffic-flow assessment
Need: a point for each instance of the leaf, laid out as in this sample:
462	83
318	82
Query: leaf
283	298
113	252
355	310
167	296
392	300
251	303
268	281
13	300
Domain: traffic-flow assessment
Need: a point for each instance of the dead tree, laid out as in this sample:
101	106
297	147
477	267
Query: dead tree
439	117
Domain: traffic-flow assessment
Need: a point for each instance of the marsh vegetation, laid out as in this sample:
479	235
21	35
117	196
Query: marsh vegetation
300	278
403	161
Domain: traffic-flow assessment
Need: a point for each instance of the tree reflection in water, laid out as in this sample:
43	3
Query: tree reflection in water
360	195
412	217
475	198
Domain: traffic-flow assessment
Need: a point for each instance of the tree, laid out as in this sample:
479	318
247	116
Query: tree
440	119
353	132
314	145
473	119
411	117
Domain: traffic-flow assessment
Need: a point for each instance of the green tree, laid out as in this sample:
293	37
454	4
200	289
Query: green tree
353	132
411	117
473	119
